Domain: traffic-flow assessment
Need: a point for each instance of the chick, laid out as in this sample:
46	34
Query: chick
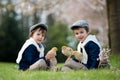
67	51
78	55
53	60
53	51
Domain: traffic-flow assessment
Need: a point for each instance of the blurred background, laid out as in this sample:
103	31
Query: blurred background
16	16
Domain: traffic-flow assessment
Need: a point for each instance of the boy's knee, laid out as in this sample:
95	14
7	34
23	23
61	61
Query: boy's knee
39	65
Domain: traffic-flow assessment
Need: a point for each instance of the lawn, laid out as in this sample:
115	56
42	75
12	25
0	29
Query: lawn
8	71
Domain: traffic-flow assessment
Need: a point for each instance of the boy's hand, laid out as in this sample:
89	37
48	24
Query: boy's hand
67	60
51	53
49	56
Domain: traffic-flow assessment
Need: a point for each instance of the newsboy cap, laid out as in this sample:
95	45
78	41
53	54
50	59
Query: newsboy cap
42	25
80	23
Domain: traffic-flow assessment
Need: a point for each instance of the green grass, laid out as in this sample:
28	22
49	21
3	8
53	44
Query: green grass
8	71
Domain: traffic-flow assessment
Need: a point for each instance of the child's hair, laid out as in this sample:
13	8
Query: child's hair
77	27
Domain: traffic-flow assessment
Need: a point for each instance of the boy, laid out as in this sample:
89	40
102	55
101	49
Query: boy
88	46
31	56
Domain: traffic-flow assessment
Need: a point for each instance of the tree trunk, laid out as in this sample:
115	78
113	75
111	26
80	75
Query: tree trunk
113	12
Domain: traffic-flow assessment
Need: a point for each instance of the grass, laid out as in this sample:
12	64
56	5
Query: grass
8	71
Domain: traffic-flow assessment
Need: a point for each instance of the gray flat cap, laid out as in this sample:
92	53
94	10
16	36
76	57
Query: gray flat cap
42	25
80	23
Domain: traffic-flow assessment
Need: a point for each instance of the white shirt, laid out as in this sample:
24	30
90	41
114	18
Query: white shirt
82	44
26	44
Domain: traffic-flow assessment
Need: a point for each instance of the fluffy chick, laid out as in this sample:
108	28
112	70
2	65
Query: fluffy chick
53	51
78	55
53	61
67	51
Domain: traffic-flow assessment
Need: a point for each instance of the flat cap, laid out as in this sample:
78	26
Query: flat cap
80	23
42	25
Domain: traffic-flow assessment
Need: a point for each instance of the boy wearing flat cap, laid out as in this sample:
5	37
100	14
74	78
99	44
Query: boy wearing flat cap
88	46
31	56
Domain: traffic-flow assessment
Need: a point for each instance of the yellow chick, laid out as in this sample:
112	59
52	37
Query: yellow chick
54	50
53	60
78	55
67	51
52	53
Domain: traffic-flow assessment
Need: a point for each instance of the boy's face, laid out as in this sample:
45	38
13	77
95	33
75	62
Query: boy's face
38	36
80	34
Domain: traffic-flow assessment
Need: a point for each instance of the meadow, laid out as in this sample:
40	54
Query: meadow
8	71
